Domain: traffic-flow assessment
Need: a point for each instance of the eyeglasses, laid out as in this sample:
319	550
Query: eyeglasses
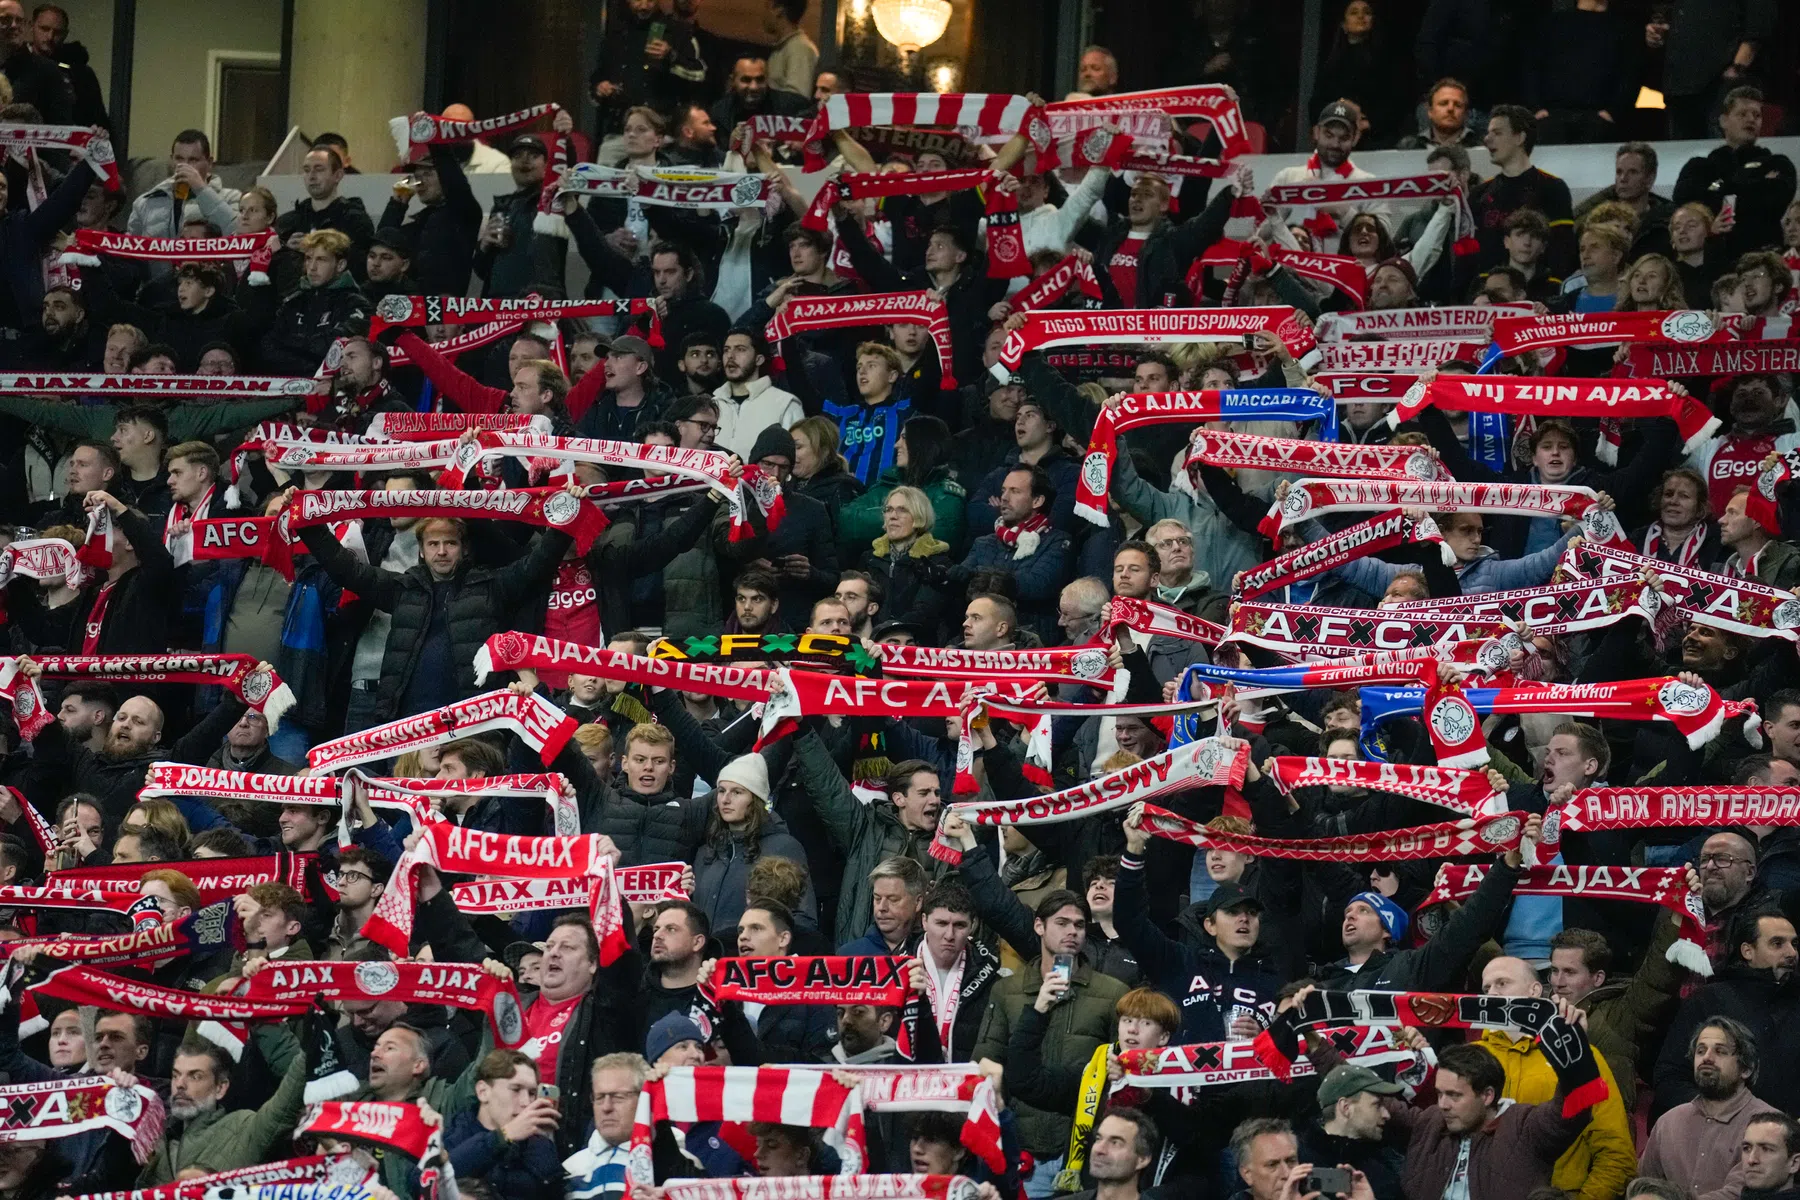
1169	543
1722	860
362	875
708	426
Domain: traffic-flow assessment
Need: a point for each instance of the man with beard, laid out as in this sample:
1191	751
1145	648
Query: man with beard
860	594
749	402
699	365
678	942
1757	988
360	389
201	1136
115	772
1696	1145
65	340
1125	1144
696	141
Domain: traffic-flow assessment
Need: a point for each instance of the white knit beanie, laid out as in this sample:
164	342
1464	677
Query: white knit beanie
749	771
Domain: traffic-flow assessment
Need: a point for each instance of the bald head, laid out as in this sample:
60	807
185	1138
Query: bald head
452	112
1507	976
136	726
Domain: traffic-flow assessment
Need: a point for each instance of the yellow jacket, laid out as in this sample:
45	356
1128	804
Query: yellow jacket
1602	1160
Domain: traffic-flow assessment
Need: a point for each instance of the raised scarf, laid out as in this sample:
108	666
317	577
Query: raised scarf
60	1108
647	884
256	248
84	985
1213	102
1462	323
1156	620
260	690
1742	606
1515	335
1538	397
1153	326
413	133
767	127
1469	793
1307	499
1397	356
411	311
543	726
1303	628
1144	409
1432	185
698	189
1664	886
451	984
47	560
1488	834
1209	762
172	387
1049	664
1650	807
1005	247
876	979
511	651
313	1168
1377	534
946	1087
215	879
1222	1064
1669	360
1341	460
432	426
553	788
1338	271
1563	1044
1055	283
1762	505
139	910
151	947
811	694
824	1187
1555	609
802	314
783	1095
544	507
98	147
986	113
398	1126
450	347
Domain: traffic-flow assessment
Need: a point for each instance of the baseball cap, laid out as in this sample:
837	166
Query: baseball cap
399	240
1347	1079
1343	112
632	344
528	141
1228	896
515	952
1393	918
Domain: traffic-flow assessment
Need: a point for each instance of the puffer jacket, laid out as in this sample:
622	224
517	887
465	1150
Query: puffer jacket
1602	1160
482	601
722	870
646	829
309	321
835	490
914	584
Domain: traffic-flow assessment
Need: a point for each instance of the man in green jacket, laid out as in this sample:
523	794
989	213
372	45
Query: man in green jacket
202	1136
1081	1020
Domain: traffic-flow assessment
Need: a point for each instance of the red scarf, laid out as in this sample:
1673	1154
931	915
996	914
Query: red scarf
314	1168
400	1127
1156	326
1399	356
1574	606
824	1187
1053	284
174	388
511	651
1377	534
89	244
237	673
411	311
84	985
1515	335
1488	834
542	725
1050	664
804	313
1339	271
1219	448
1005	248
1301	628
789	1095
989	113
1469	793
1208	762
1157	620
1462	323
412	134
216	879
1308	499
433	426
880	980
544	507
1742	606
1014	535
1667	360
60	1108
811	694
1213	102
1698	712
98	148
1562	398
452	985
648	884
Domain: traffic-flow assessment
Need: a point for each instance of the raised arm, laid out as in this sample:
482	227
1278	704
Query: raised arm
458	387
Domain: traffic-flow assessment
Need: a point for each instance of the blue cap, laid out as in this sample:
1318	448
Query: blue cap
1393	918
668	1033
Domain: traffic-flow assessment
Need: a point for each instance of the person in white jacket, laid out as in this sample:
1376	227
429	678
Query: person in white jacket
748	402
160	211
1048	226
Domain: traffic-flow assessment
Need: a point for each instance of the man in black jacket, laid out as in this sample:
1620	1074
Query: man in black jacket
49	36
954	267
35	79
1143	260
321	172
446	225
1760	180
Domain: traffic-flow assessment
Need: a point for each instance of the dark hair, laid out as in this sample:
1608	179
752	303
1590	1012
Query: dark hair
900	776
153	844
476	756
58	9
1643	150
14	854
1511	273
331	155
793	10
701	337
760	581
198	1047
1057	900
1592	742
192	137
697	919
1384	241
689	407
1144	548
941	1127
949	894
1447	81
331	139
1746	927
148	351
1475	1064
876	591
585	923
779	913
1101	866
819	239
927	448
960	236
1041	484
501	1064
1790	1128
376	862
758	343
1750	766
1785	698
236	359
379	350
1157	356
1743	1043
1596	955
143	1029
225	840
1734	96
1147	1140
690	265
1523	122
1009	612
1529	220
665	428
92	691
146	414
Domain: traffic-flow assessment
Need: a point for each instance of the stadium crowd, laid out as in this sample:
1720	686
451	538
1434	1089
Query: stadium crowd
985	652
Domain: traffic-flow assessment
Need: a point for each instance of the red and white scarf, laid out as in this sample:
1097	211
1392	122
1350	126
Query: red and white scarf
1347	386
1377	534
544	507
1741	606
1212	102
878	979
170	387
767	127
806	313
181	545
511	651
1157	620
339	1170
85	985
553	788
950	1087
1762	505
1224	1064
401	1127
433	426
413	133
1561	398
1669	360
811	694
1698	712
782	1095
650	883
98	148
1487	834
60	1108
252	250
1572	606
450	984
1048	664
1153	326
986	113
1468	793
47	560
1311	498
1341	460
1209	762
1022	538
1685	553
411	311
237	673
215	879
824	1187
150	947
1462	323
1516	335
1339	271
1302	628
1310	194
1398	356
697	189
542	725
1053	284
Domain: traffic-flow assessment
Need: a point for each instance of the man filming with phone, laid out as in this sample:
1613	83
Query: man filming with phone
507	1140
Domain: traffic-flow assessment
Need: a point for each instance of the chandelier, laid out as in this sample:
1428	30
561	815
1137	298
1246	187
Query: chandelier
911	24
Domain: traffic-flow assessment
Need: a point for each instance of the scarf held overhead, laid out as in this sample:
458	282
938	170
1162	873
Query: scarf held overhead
421	129
802	314
512	651
782	1095
237	673
543	726
1307	499
398	310
452	984
813	979
1210	762
1156	326
1385	532
1560	397
1742	606
986	113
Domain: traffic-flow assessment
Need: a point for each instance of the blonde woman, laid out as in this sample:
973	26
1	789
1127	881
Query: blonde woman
1651	284
912	565
820	470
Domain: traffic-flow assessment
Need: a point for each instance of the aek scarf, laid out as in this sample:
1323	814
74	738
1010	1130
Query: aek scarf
1310	498
647	884
1212	102
260	690
1741	606
1488	834
412	133
804	313
460	851
397	310
1338	271
1398	356
1385	532
216	879
451	984
1155	326
98	148
782	1095
1469	793
1209	762
1223	1064
824	1187
1184	408
1564	1045
987	113
1156	620
1299	628
84	985
875	979
1559	397
511	651
1665	886
1463	323
1054	284
60	1108
544	507
1341	460
543	726
171	387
